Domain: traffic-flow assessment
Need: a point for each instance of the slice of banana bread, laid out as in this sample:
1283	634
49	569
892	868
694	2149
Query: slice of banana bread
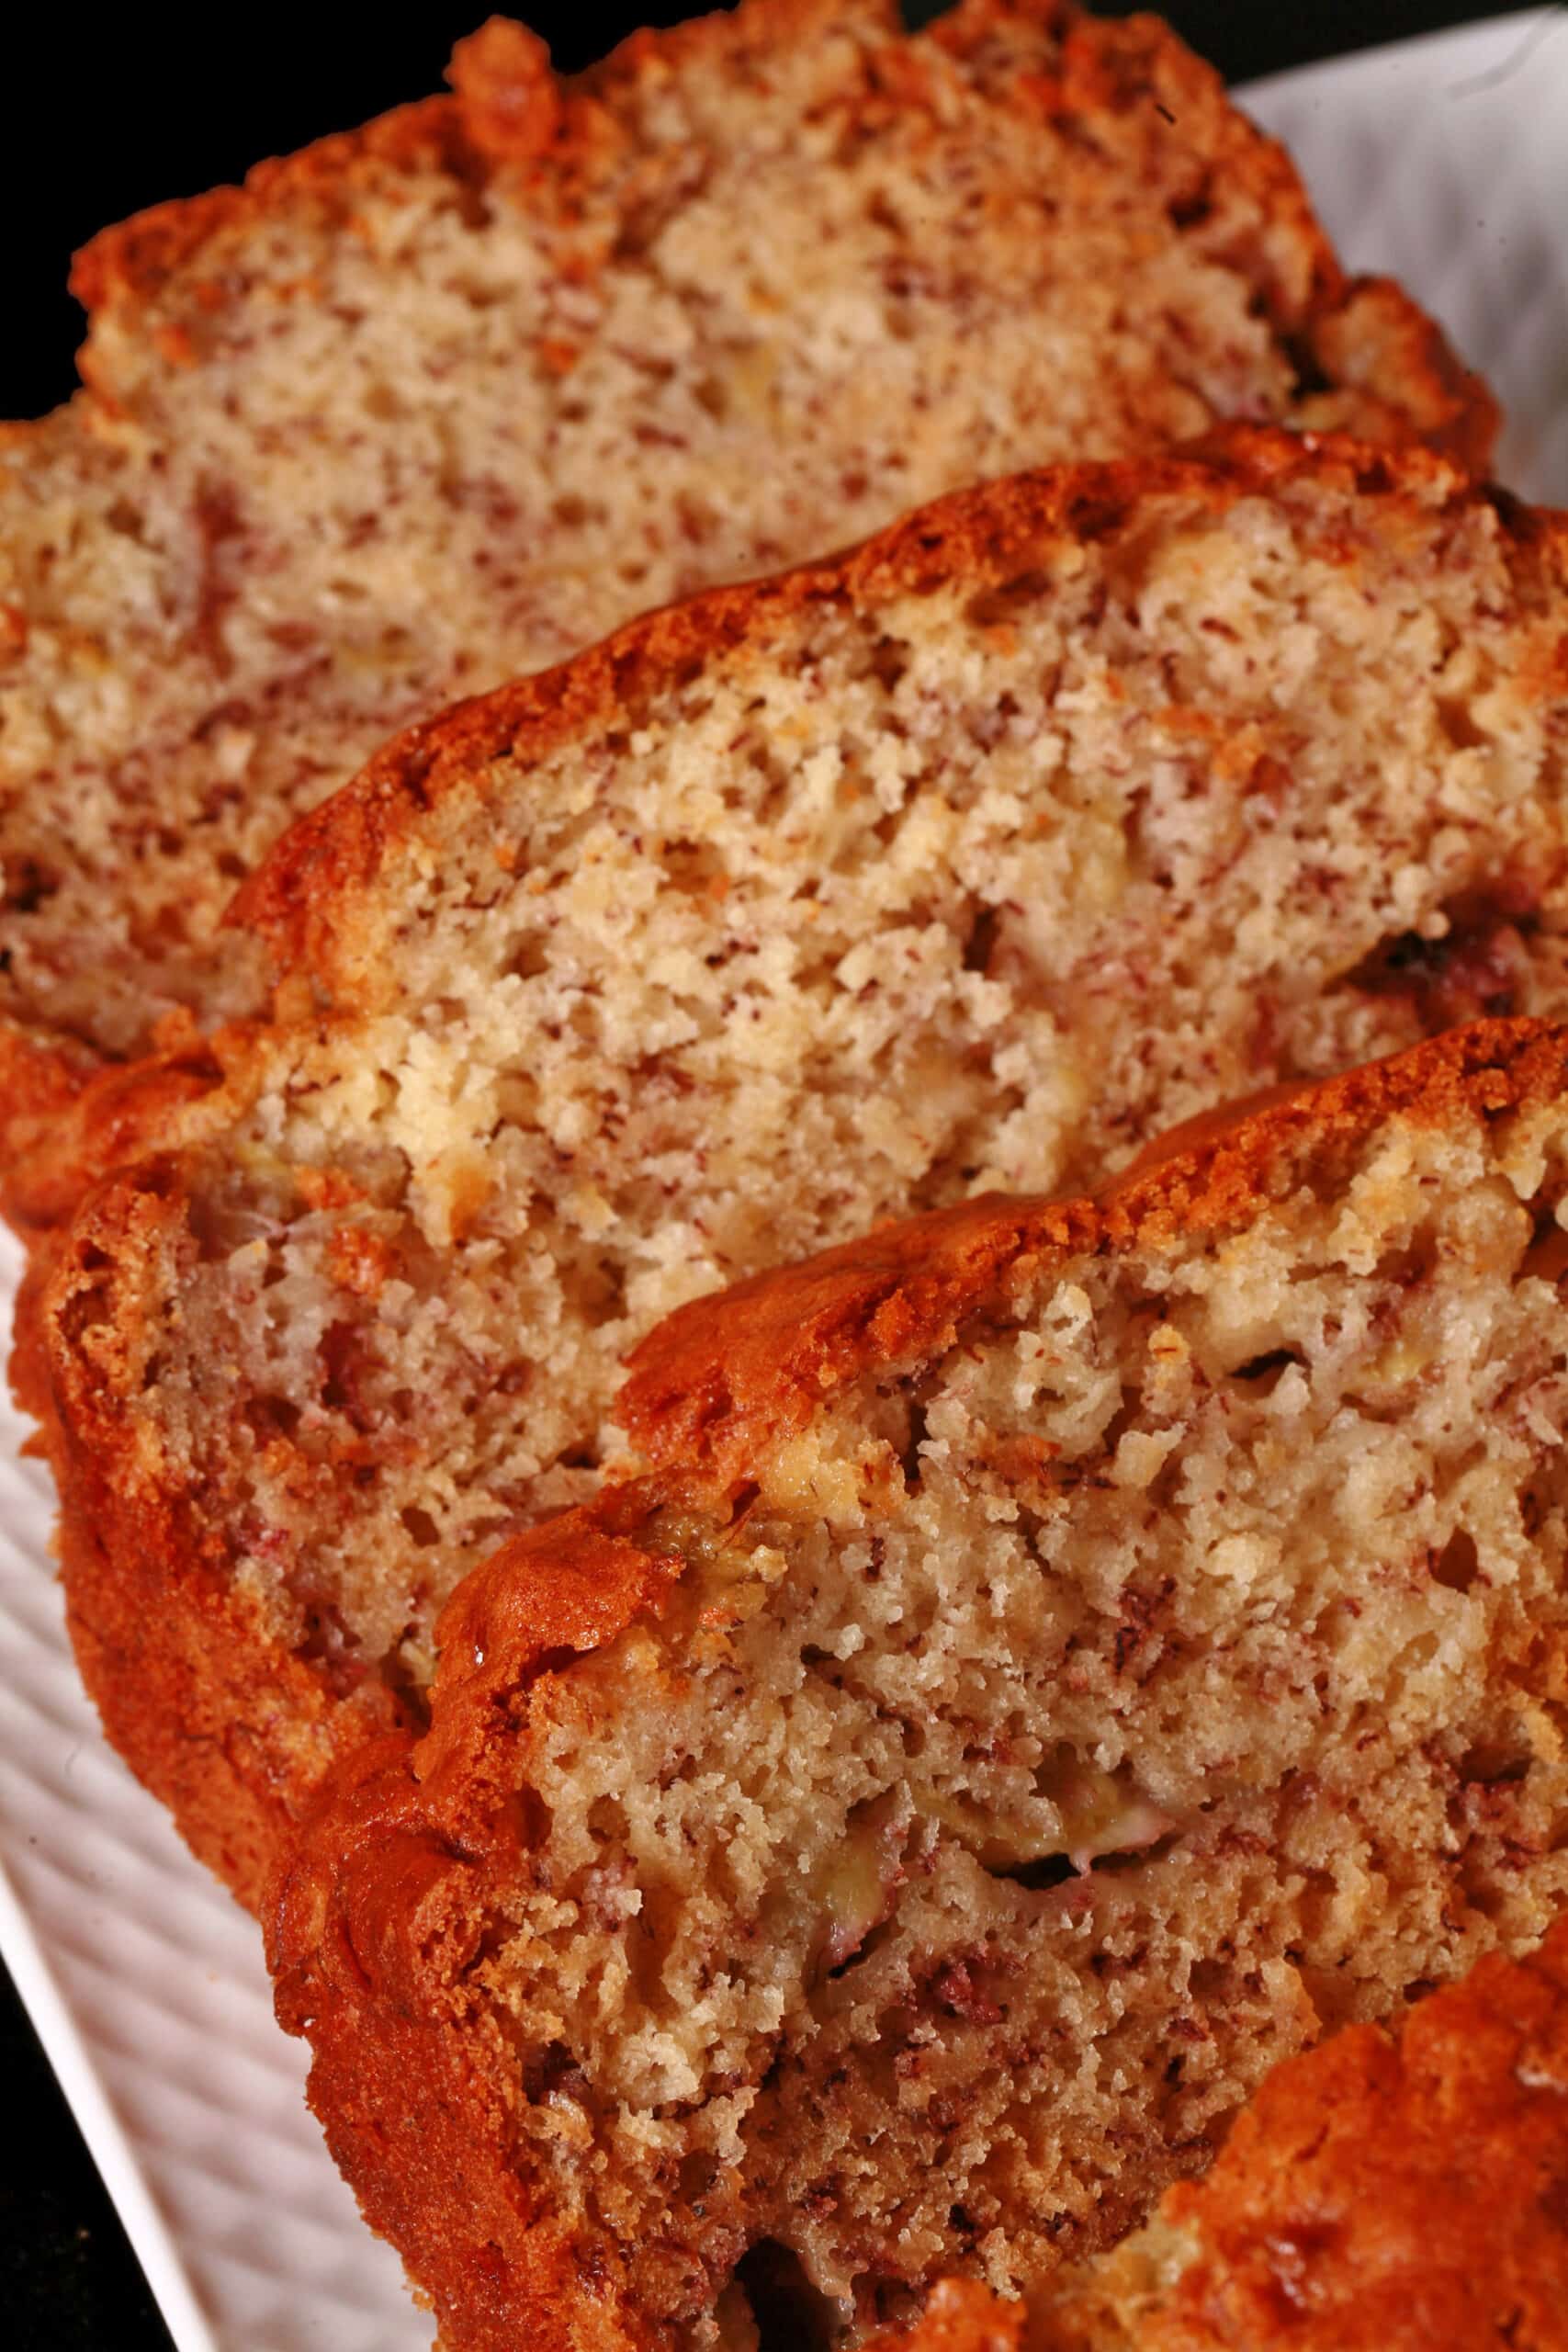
1066	809
442	401
1075	1655
1395	2191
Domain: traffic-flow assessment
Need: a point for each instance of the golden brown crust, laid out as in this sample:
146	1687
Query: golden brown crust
511	116
373	1923
200	1703
42	1080
296	900
508	114
1375	336
90	1119
375	1917
1400	2193
554	1592
444	2192
223	1724
729	1374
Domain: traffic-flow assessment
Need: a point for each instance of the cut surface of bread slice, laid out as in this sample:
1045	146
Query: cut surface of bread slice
1384	2193
1075	1655
1387	2192
1066	809
439	401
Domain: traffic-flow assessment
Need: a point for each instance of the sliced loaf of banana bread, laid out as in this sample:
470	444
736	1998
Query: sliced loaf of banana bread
1074	1657
1071	807
439	401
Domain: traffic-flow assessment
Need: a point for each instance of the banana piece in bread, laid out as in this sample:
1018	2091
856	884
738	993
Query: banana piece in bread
1392	2190
439	401
1068	809
1071	1657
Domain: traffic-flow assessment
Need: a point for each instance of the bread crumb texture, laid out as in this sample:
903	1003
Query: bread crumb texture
1391	2192
437	402
1106	1648
1065	810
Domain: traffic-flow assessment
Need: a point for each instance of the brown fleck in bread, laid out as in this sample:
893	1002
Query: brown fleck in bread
1097	1648
1067	808
439	401
1391	2192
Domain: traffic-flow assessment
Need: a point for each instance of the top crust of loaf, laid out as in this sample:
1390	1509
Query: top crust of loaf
326	897
508	114
383	1909
510	118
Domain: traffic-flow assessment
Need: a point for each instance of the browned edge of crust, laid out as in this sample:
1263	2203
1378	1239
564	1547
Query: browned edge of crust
372	1926
727	1375
976	537
375	1918
42	1080
510	117
507	114
70	1119
1375	340
1420	2176
231	1732
1388	2191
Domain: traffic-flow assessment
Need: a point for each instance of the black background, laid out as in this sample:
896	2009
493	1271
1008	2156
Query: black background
118	110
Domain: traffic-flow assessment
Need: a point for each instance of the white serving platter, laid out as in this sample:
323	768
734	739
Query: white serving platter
1444	161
